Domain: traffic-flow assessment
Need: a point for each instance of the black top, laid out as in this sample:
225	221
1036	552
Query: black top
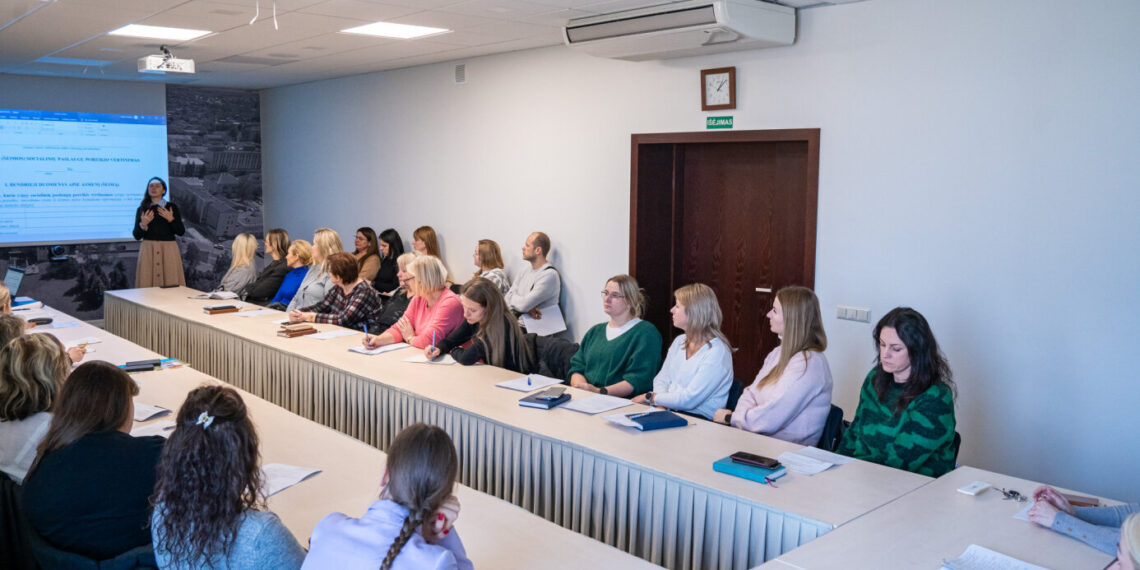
386	280
267	284
392	310
92	497
477	352
159	229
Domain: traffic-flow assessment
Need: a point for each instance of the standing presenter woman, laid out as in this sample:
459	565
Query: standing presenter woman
157	222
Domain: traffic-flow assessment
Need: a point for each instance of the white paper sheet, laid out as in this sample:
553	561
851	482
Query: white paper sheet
550	323
536	381
278	476
257	313
284	321
380	350
84	340
981	558
626	419
216	295
1023	514
803	464
825	456
64	325
421	358
335	333
161	427
32	314
144	412
597	404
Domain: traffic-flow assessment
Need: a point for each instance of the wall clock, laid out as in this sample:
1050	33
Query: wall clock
718	89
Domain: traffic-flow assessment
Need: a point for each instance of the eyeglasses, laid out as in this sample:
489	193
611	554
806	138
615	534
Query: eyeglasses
615	296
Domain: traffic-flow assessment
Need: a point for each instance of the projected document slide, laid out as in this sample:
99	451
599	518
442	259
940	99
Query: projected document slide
75	177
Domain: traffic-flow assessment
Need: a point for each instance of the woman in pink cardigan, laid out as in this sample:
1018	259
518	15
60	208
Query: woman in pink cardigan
433	313
791	396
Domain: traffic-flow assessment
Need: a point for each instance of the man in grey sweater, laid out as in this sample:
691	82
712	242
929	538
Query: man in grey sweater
537	286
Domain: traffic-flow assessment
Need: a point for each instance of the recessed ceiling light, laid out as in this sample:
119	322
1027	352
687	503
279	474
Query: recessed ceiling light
391	30
158	32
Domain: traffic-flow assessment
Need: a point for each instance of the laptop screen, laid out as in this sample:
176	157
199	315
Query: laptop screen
12	279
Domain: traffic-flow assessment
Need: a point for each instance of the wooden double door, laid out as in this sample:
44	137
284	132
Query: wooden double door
734	210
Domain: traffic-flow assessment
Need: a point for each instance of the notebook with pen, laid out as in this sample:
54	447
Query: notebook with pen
750	472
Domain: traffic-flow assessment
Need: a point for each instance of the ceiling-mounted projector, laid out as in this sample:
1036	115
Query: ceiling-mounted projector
166	62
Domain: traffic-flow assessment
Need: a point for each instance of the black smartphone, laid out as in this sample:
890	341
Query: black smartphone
754	460
551	394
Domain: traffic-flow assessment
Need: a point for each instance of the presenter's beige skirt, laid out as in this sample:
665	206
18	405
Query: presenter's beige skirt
160	263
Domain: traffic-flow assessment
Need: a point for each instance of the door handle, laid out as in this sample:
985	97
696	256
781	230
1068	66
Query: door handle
763	289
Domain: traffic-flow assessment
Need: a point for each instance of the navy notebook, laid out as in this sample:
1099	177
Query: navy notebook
534	401
750	472
660	419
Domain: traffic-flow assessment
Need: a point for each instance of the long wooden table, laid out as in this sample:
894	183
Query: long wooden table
652	494
937	523
495	533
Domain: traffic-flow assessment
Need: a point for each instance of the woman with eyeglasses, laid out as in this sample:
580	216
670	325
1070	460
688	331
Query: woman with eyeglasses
619	357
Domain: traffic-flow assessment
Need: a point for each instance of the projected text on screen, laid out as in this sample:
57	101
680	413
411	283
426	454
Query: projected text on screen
75	177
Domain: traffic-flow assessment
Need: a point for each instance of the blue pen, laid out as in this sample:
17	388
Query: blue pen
528	379
364	327
433	339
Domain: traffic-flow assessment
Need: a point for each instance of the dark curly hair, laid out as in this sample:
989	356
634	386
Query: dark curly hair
422	467
928	365
208	476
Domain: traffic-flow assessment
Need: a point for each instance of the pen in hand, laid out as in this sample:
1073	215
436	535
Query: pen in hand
364	327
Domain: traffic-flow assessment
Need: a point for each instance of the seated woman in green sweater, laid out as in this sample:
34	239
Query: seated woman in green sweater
905	417
620	357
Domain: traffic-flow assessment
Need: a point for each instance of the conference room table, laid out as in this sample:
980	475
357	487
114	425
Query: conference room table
495	533
652	494
936	523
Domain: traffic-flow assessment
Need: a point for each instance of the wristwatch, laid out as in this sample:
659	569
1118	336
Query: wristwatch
649	397
603	390
728	419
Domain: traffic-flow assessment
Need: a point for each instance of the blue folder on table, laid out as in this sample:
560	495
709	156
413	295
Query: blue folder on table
534	401
660	419
750	472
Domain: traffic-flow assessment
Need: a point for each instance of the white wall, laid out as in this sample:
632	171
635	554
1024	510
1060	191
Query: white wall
976	164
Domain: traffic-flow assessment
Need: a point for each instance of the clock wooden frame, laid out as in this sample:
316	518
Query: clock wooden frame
731	89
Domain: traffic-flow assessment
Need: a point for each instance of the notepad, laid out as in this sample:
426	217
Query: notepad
597	404
278	476
648	420
981	558
216	295
379	349
536	381
750	472
811	460
422	358
257	313
66	325
550	323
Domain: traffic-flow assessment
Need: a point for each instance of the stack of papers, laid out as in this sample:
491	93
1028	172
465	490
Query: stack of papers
624	419
597	404
161	427
257	313
278	476
529	382
379	350
811	460
216	295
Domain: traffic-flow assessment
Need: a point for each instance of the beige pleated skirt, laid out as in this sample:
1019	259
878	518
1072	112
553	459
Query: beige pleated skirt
160	263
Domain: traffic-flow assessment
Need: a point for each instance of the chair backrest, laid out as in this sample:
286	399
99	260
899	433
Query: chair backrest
957	446
734	394
141	557
832	429
554	355
14	549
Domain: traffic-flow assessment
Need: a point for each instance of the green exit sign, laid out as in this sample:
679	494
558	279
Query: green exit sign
718	122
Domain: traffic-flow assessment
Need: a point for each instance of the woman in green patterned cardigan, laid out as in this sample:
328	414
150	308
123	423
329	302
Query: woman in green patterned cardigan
905	417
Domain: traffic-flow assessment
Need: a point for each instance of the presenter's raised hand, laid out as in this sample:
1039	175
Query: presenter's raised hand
166	213
146	218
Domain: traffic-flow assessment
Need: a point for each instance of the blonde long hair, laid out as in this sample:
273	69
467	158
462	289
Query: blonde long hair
326	242
244	248
803	329
703	313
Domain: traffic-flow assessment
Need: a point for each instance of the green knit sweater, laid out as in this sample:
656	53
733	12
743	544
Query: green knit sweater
920	439
635	357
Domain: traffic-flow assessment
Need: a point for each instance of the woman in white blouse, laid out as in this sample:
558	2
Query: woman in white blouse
697	373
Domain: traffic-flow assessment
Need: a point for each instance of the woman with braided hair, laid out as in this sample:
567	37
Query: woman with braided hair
209	505
410	526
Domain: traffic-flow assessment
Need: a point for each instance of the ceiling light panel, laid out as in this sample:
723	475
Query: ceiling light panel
394	30
158	32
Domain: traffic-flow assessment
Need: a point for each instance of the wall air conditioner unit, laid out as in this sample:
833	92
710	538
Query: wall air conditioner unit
691	27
